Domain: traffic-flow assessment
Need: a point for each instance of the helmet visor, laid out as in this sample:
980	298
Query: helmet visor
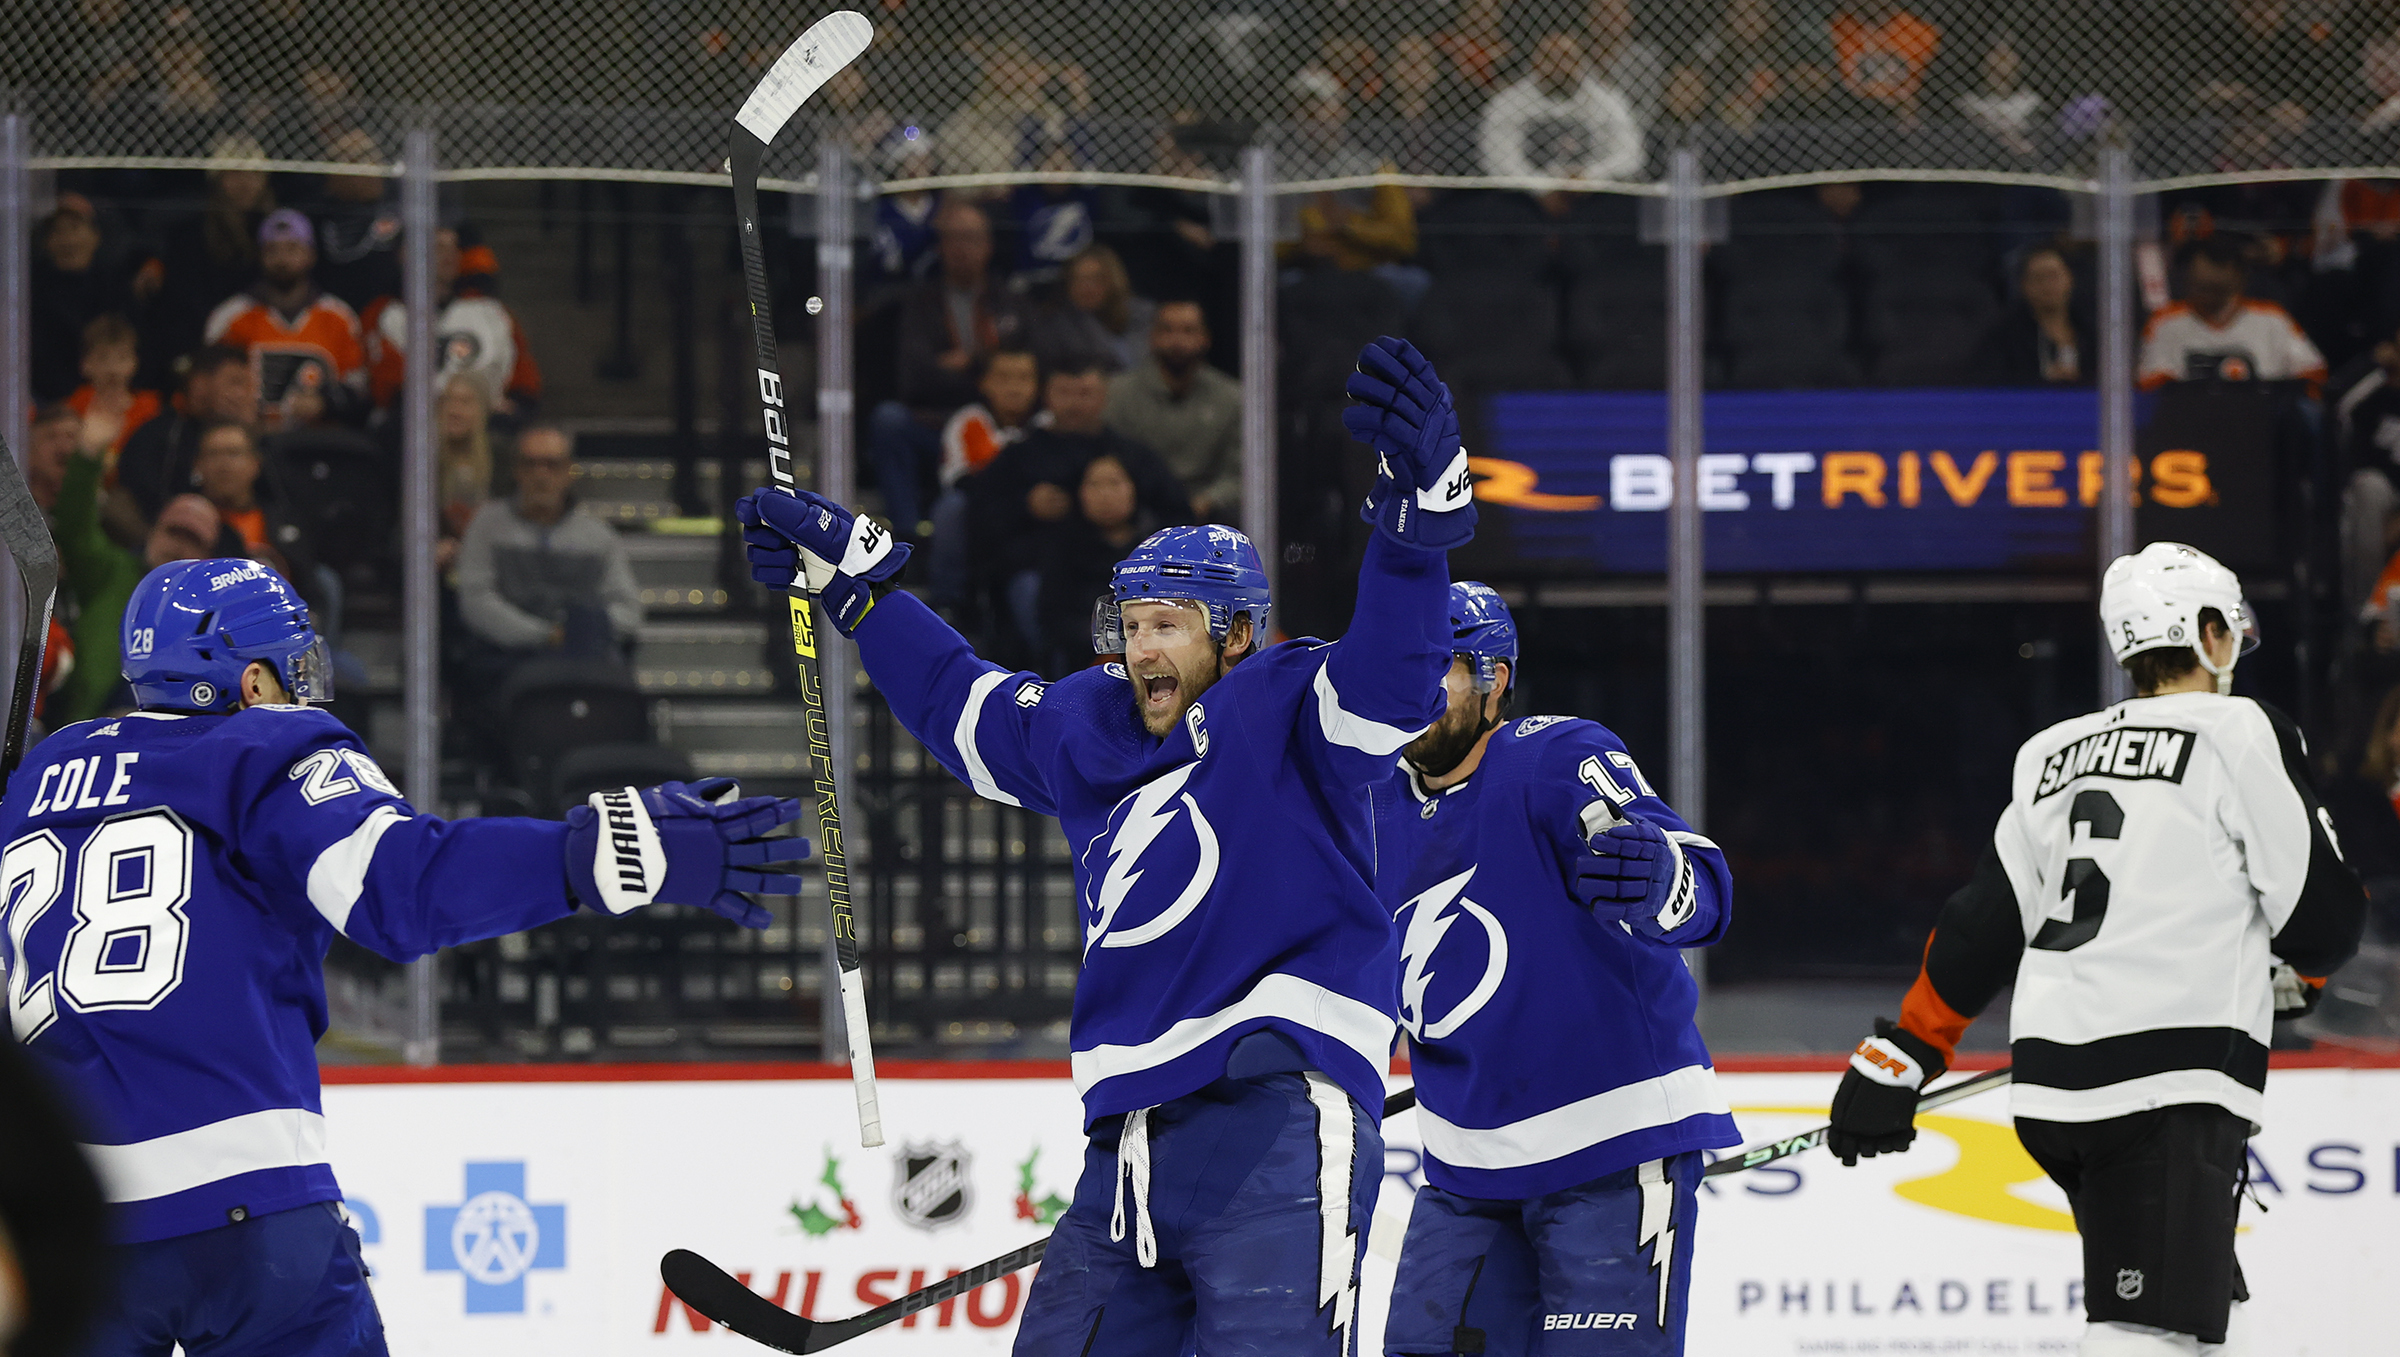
1108	627
309	674
2245	627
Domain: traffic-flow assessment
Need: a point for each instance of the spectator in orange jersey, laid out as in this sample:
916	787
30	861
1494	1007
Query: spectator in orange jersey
304	344
472	330
2218	333
1884	52
110	407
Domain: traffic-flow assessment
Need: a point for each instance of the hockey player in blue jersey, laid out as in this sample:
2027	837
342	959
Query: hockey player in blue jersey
1542	888
172	880
1234	1016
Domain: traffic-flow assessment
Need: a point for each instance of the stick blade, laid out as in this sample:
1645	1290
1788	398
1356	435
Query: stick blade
813	58
707	1288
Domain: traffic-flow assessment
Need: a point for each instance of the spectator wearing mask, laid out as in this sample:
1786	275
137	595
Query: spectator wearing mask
537	576
304	343
1016	503
1561	121
947	323
219	387
2042	340
1186	410
1094	313
2216	333
111	408
72	287
1108	522
472	330
213	253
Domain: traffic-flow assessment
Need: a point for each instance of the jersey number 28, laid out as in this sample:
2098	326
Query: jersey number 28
132	879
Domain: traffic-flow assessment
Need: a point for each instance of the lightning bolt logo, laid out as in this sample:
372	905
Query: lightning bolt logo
1147	813
1431	922
1658	1228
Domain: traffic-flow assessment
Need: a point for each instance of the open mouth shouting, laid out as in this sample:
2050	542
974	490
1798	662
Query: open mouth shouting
1160	695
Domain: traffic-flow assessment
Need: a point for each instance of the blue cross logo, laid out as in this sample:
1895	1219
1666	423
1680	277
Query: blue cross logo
495	1237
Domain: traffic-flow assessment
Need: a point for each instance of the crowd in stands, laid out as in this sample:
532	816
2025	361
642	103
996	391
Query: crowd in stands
220	375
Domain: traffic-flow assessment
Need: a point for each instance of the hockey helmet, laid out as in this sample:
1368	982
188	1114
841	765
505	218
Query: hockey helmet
1211	565
1481	629
2153	599
192	627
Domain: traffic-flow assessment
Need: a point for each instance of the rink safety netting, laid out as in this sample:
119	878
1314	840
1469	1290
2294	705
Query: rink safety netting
1598	91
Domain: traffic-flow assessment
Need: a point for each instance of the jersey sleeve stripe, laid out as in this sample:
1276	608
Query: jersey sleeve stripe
339	875
1352	731
279	1137
1357	1025
1661	1101
978	773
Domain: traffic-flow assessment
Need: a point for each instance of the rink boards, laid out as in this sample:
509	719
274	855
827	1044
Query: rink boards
515	1216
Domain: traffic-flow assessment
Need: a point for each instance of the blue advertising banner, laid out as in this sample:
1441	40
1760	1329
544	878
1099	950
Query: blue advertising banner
1822	481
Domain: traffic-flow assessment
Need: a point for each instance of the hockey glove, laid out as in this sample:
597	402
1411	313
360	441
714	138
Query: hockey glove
1637	876
1875	1110
681	844
1423	495
805	542
2296	995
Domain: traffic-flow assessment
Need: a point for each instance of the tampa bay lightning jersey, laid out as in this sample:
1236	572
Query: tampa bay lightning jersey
172	883
1549	1048
1225	871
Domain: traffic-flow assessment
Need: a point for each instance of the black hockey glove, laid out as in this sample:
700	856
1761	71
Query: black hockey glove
1875	1111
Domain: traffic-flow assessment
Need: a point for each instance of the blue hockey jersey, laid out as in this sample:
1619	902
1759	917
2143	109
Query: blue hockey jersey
172	884
1224	871
1549	1048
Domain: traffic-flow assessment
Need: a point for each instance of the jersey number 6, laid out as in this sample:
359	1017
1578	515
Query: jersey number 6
126	947
2084	880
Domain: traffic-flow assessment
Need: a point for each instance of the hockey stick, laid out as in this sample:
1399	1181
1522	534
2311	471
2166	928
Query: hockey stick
1808	1140
814	58
27	536
709	1289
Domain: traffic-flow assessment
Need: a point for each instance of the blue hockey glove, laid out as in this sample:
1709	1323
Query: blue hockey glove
1875	1109
1637	876
1423	496
806	542
681	844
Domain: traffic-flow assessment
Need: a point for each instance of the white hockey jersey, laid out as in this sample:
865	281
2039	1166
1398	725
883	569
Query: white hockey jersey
2154	862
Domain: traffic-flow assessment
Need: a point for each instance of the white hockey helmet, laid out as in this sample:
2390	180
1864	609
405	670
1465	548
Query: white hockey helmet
2154	597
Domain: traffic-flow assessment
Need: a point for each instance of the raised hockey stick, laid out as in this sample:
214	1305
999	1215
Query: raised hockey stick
712	1291
814	58
27	536
1808	1140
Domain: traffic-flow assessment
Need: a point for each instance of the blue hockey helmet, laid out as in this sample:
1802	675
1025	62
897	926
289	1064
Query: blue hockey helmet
1211	565
1481	629
192	627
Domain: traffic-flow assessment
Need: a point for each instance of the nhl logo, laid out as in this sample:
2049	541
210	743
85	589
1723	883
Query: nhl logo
204	695
2129	1283
930	1188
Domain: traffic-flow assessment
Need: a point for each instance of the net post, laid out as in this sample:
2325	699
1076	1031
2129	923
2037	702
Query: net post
836	461
1687	608
16	284
419	606
1259	517
2116	534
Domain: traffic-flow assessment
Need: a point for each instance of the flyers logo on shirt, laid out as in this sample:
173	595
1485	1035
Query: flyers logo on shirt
1157	841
